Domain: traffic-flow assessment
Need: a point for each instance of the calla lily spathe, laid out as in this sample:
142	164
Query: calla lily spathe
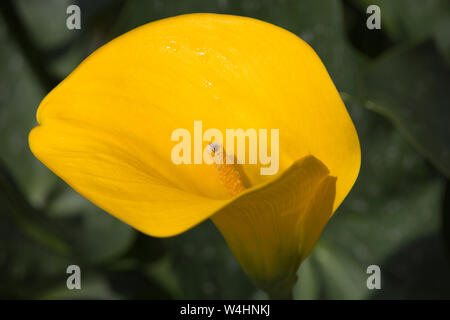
106	131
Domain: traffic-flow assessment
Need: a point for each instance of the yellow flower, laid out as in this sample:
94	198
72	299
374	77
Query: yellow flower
106	130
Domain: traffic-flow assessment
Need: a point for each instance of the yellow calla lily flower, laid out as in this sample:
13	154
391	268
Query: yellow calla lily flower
107	131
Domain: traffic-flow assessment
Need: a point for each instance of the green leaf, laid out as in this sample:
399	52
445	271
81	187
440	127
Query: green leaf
410	87
418	270
100	237
308	284
95	235
205	267
446	216
442	37
44	31
93	286
395	201
31	222
19	97
342	277
162	272
136	284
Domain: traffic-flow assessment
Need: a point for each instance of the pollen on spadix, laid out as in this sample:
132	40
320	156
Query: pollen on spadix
228	171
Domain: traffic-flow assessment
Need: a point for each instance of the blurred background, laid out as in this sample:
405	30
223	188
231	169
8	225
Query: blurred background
394	81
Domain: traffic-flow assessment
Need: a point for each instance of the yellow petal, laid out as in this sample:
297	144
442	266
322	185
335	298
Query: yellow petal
271	229
120	176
